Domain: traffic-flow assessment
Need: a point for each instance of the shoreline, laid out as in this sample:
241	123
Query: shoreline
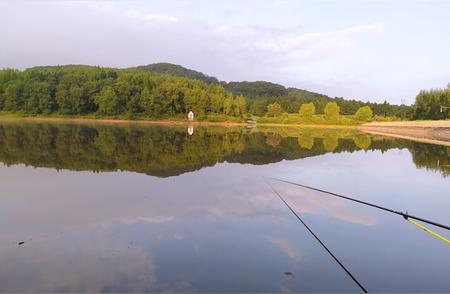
167	122
120	121
433	132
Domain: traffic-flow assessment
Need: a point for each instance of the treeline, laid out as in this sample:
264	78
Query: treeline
432	104
168	90
178	71
260	94
80	90
168	151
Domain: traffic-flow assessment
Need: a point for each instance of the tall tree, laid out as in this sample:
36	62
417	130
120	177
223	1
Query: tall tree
307	110
331	112
274	109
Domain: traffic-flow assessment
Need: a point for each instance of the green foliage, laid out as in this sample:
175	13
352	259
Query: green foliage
428	104
85	90
364	113
107	101
260	94
274	109
178	71
256	89
162	90
239	106
331	112
307	111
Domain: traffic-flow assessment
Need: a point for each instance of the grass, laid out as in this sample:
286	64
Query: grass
318	119
292	119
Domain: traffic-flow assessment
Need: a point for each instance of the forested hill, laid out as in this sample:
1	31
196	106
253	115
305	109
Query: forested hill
260	94
167	90
256	89
178	71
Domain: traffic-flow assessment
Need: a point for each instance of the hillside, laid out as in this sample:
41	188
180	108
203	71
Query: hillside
83	84
178	71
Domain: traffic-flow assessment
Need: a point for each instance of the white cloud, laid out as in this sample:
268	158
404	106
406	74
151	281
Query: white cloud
132	13
356	57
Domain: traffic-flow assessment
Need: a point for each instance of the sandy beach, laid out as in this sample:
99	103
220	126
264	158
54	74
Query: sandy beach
435	132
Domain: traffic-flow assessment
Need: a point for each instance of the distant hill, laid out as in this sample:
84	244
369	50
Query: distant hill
256	89
178	70
260	93
250	90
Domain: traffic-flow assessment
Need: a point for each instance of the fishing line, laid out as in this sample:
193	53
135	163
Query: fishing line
317	238
403	214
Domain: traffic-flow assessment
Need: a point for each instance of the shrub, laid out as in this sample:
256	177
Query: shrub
274	109
332	111
364	114
307	111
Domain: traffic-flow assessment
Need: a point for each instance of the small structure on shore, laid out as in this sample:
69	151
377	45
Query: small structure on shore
190	115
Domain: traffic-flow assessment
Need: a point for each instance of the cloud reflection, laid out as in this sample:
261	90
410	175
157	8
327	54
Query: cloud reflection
308	201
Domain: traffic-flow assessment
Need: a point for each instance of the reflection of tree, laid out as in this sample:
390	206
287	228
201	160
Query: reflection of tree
330	141
306	141
363	141
273	139
167	151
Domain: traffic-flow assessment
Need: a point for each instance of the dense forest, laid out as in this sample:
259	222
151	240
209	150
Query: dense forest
433	104
178	71
167	90
78	90
168	151
261	94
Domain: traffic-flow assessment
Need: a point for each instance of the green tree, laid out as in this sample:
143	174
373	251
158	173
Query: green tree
307	111
108	102
274	109
428	104
364	113
331	112
228	106
239	105
13	99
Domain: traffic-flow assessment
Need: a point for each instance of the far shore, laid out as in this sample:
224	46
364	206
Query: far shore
120	121
434	132
179	122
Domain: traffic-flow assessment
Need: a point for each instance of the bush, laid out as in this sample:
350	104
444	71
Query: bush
307	111
364	114
332	111
274	109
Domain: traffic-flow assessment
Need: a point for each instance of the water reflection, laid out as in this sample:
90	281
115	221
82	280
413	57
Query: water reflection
169	151
203	224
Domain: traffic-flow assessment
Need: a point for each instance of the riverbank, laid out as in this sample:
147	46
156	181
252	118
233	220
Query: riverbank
111	120
434	132
209	121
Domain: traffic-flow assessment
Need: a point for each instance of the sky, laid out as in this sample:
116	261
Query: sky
365	50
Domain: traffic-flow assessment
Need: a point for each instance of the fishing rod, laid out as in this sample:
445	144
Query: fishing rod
318	240
405	215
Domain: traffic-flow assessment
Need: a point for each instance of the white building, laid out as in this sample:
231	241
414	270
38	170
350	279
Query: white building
190	115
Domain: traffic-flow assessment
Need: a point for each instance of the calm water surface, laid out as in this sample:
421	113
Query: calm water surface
126	208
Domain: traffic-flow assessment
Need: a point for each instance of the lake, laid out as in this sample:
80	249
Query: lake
136	208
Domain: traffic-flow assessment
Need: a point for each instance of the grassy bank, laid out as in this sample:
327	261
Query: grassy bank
284	120
318	119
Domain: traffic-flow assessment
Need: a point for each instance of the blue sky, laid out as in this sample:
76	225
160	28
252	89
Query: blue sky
367	50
